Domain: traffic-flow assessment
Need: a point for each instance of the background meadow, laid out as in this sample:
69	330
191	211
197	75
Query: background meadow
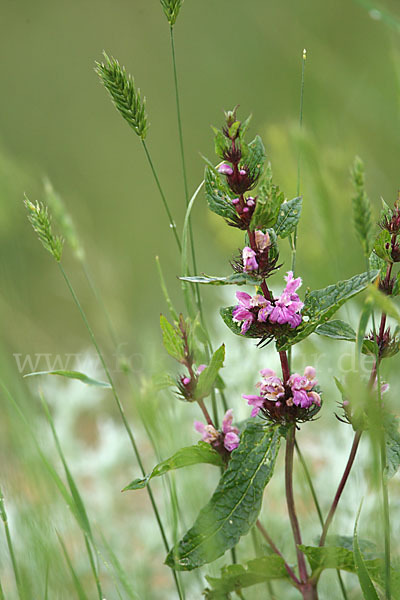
56	122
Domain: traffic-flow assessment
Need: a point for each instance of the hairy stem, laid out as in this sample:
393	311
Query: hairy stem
122	414
290	440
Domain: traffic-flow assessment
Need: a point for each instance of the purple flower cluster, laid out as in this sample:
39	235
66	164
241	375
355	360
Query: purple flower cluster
299	391
284	309
229	435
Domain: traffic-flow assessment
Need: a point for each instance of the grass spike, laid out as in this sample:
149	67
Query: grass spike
171	9
126	98
40	220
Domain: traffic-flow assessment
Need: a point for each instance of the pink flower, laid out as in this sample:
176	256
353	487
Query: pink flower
272	389
225	169
256	402
302	386
242	313
231	437
249	259
230	433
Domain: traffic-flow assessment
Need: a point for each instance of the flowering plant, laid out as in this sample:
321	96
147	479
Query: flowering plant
240	189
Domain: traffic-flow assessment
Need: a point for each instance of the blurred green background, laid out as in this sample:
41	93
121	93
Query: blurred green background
57	121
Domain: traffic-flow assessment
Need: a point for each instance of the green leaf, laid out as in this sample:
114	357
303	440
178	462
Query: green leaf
185	457
234	279
377	264
221	144
338	330
269	201
236	577
235	504
392	440
362	218
172	340
382	246
384	303
361	569
226	314
217	196
321	305
255	158
206	380
73	375
288	218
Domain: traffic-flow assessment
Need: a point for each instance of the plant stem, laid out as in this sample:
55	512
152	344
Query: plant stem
122	414
271	543
318	507
172	223
290	440
182	151
340	489
4	518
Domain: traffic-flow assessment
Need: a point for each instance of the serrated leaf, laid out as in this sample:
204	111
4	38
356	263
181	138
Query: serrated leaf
235	504
255	158
338	330
234	279
321	305
185	457
172	340
362	218
221	144
236	577
377	264
206	380
361	569
392	441
269	201
288	218
73	375
217	196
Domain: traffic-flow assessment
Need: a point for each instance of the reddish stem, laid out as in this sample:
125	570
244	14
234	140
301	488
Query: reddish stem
290	439
266	536
340	489
205	412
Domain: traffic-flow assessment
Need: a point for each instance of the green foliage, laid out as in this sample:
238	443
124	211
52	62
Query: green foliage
392	442
221	143
320	305
361	568
40	220
362	208
81	595
171	9
73	375
236	503
382	246
207	378
377	264
217	195
172	340
255	156
236	577
269	200
288	218
234	279
338	330
383	302
184	457
125	96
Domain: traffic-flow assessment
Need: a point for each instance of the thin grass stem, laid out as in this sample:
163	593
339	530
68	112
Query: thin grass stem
10	545
172	223
122	414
